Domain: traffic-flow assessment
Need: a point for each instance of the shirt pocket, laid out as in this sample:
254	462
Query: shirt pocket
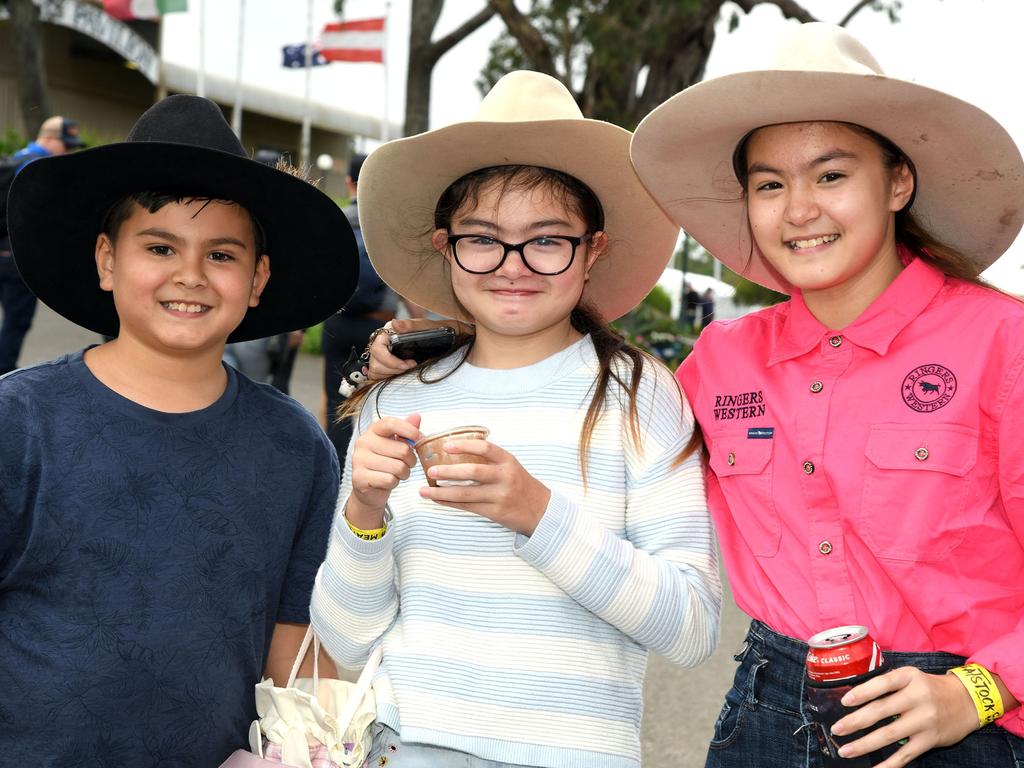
744	470
916	482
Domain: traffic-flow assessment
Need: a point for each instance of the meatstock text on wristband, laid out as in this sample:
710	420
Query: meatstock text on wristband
984	693
371	535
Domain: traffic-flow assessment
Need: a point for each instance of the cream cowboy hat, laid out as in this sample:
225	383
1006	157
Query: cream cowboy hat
970	175
526	119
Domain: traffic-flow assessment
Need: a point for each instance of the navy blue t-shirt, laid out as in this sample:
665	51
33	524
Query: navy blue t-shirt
144	560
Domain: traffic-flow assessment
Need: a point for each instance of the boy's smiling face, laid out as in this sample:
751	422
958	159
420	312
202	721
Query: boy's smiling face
184	276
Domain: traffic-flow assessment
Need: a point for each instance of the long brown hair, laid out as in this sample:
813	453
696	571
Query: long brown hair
909	231
618	360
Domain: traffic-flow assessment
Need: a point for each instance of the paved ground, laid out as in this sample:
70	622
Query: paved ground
680	704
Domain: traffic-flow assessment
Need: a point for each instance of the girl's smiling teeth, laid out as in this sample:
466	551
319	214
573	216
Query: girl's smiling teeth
797	245
180	306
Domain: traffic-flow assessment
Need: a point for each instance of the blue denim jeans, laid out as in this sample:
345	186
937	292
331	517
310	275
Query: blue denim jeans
764	722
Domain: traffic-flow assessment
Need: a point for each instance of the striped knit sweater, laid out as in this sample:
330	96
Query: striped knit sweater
531	650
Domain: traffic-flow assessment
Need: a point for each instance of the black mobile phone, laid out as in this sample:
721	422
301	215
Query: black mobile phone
422	345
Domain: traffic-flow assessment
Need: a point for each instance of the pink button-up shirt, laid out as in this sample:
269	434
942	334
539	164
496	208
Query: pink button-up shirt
875	475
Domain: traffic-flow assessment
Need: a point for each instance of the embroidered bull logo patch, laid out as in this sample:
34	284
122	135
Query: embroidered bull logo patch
928	387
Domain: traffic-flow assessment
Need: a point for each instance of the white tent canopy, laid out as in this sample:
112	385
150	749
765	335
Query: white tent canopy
672	281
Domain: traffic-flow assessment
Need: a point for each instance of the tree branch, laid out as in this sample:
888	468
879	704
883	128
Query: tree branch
440	47
854	11
790	9
29	64
537	51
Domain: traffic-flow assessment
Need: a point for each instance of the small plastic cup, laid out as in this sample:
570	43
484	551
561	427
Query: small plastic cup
432	453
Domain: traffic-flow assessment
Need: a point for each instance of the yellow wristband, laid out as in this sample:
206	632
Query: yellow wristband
371	535
984	693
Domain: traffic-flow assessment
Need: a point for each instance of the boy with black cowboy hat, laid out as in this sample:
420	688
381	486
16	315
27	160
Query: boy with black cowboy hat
162	517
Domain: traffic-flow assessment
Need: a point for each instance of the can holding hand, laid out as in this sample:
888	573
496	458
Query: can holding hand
838	660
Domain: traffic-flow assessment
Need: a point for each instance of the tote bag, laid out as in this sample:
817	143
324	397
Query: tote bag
312	723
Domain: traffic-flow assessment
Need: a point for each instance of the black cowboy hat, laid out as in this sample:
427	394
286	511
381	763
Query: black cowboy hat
182	145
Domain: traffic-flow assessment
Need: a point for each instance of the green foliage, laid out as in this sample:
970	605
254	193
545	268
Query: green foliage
651	327
621	58
652	314
659	300
312	342
691	257
11	141
750	294
605	48
700	262
892	9
93	139
505	56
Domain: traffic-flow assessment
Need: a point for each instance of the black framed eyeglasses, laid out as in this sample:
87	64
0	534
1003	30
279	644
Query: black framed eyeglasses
543	255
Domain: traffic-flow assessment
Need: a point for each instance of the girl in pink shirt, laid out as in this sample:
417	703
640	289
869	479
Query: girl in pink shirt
866	438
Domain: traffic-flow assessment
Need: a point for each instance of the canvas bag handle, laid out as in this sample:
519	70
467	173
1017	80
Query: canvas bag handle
303	650
362	684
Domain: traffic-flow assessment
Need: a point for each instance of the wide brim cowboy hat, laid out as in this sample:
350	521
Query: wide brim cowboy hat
182	145
526	119
969	172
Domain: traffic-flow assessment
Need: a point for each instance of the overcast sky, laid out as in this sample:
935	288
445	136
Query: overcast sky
969	48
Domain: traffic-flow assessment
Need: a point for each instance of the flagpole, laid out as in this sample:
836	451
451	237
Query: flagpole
200	75
161	86
385	129
236	112
304	146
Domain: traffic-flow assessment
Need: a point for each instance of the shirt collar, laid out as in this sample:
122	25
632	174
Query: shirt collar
904	299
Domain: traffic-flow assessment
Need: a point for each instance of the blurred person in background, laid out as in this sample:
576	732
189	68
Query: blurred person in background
57	136
349	330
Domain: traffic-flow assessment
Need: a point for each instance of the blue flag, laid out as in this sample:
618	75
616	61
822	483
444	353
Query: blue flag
295	56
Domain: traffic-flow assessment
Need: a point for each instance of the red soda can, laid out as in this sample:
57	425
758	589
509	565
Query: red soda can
837	660
842	653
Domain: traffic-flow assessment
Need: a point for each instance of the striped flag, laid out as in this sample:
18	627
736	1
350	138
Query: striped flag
294	56
126	10
361	40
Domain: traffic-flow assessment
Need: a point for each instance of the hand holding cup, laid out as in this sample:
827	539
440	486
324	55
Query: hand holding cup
480	477
432	452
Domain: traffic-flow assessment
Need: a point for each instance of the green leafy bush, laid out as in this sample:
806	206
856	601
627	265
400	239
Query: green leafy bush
312	343
11	141
651	327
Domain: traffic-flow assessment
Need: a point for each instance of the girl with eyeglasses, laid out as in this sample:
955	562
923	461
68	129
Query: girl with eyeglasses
517	600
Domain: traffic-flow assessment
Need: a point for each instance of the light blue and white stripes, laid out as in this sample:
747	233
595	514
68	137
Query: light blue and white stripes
531	650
